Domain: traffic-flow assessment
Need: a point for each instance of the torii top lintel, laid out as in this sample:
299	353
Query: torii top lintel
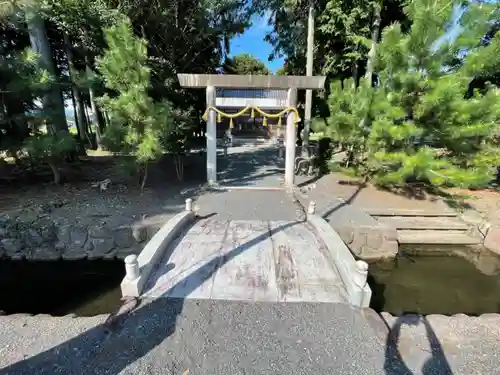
251	81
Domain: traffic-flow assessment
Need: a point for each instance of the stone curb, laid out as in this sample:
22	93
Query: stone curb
492	238
153	252
370	242
489	231
378	325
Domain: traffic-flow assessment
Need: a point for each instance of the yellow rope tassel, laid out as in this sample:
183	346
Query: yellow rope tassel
279	122
231	125
219	117
253	113
264	122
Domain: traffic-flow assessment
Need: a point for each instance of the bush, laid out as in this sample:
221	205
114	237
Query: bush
50	149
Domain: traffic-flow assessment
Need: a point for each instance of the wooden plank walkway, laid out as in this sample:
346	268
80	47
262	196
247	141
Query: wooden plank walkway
247	260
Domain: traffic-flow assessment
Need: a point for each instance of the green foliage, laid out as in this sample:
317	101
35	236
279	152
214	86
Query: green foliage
244	64
22	82
342	33
137	122
421	125
48	148
282	71
82	20
139	126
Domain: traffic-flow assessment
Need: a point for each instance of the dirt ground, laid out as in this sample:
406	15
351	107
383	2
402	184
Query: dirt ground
486	202
78	198
124	197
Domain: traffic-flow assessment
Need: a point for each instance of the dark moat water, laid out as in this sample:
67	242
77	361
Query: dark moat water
423	281
466	282
84	288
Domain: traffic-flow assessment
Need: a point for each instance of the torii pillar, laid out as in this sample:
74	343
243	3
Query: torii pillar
291	83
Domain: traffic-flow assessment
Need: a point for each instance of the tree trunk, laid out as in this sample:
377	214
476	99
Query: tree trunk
80	142
15	113
144	177
106	117
87	116
101	120
179	166
93	106
377	8
52	102
77	98
55	171
364	123
355	74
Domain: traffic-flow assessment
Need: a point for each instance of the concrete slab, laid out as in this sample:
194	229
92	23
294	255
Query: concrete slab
247	204
250	260
437	237
424	223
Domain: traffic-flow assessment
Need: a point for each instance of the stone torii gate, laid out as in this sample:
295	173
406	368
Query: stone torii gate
213	81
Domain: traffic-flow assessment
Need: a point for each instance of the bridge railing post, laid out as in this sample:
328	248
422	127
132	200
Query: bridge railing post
361	274
132	271
189	204
311	209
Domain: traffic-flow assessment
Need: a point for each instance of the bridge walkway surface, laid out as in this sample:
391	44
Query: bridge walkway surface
248	245
254	260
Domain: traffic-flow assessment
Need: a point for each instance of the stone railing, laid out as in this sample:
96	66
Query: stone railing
354	274
138	268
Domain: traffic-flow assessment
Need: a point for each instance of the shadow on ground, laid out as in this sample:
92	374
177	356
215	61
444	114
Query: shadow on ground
337	206
110	347
394	364
244	166
423	192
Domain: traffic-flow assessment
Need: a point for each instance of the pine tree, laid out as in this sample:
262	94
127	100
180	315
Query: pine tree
22	124
421	124
138	126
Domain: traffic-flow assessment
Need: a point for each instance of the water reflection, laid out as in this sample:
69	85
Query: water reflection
445	281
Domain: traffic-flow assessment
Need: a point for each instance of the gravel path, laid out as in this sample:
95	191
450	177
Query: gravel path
248	205
439	344
169	336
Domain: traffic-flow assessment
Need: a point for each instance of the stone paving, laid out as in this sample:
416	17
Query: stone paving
253	166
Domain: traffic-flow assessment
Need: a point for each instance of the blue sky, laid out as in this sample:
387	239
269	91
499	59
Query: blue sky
252	42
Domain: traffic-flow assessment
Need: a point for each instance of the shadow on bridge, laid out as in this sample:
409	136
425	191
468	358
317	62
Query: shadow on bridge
110	347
